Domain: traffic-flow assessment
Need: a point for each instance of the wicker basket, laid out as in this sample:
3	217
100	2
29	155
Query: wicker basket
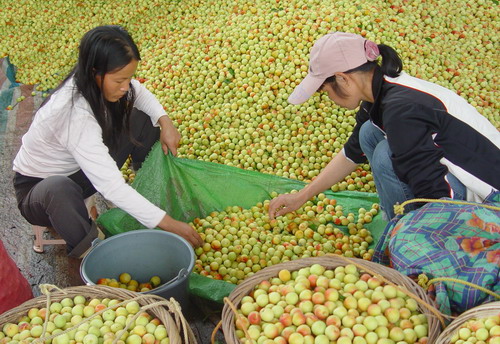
483	311
329	262
168	312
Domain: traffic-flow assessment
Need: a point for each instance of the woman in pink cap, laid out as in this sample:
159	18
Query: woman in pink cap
421	140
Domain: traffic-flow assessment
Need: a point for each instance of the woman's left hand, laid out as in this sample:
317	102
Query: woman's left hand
169	135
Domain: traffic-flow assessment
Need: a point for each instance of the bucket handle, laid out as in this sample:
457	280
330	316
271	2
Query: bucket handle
182	274
95	242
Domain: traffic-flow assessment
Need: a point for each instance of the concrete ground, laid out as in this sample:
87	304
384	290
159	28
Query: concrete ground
53	266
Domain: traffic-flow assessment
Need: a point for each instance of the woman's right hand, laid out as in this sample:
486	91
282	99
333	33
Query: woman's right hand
284	204
181	228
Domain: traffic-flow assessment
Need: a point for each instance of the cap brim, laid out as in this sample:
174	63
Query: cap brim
305	89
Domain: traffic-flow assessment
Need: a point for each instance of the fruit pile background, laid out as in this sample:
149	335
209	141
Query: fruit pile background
224	69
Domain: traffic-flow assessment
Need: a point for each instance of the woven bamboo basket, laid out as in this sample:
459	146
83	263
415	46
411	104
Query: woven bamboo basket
479	312
386	274
168	312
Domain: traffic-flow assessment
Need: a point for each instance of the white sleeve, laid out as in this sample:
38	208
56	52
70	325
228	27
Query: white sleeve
93	157
147	102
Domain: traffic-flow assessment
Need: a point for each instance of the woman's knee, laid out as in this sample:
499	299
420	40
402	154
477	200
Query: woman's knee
369	137
381	157
142	129
55	194
61	187
366	129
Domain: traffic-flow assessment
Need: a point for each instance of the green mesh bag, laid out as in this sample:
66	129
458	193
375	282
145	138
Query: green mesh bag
187	189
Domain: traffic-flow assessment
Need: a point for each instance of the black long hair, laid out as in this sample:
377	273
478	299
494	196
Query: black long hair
102	50
391	65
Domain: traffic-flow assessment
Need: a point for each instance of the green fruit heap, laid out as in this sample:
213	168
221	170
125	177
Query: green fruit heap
127	172
101	329
478	331
223	69
322	306
239	242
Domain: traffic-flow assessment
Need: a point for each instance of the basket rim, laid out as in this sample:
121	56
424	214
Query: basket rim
481	311
329	262
99	292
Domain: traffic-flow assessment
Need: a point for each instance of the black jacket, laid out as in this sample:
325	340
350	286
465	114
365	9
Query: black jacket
431	130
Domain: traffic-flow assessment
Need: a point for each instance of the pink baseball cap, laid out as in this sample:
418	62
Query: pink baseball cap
333	53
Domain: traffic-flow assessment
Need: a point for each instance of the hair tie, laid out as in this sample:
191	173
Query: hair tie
371	50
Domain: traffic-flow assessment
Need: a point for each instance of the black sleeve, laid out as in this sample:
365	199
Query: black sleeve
415	156
352	149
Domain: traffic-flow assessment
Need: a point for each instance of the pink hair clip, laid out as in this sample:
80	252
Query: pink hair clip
371	50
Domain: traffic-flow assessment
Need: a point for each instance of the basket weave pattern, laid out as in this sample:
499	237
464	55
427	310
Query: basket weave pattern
329	262
479	312
168	312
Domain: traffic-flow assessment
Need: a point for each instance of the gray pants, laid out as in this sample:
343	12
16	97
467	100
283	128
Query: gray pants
58	201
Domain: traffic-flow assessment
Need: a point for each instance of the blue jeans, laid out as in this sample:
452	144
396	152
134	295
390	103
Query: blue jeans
390	189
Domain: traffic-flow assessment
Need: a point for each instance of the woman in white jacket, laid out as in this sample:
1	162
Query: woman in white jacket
83	133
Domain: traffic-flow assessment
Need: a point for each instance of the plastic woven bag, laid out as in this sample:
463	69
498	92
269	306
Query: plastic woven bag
450	243
187	189
14	288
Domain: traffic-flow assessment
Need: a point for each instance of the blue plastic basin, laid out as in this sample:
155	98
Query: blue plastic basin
143	253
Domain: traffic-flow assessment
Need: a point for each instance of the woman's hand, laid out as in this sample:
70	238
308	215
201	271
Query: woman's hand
334	172
284	204
181	228
169	135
